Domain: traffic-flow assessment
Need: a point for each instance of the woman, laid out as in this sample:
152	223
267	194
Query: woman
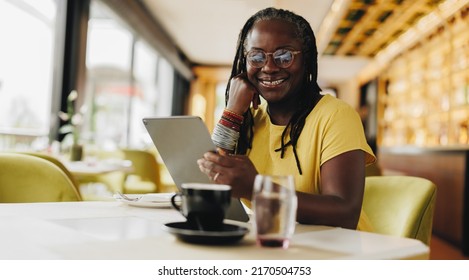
319	139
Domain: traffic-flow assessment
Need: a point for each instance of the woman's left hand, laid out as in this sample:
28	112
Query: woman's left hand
234	170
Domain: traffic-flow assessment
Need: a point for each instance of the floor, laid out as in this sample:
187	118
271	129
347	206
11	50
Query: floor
442	250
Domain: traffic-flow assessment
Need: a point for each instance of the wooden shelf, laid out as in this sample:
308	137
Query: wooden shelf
424	94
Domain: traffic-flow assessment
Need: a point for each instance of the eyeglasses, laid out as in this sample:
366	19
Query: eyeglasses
283	58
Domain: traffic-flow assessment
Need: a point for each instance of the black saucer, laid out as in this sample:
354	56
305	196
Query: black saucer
228	234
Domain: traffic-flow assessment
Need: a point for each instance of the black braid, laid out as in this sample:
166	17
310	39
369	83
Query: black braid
310	91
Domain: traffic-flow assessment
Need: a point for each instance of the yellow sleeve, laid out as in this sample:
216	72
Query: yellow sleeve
345	133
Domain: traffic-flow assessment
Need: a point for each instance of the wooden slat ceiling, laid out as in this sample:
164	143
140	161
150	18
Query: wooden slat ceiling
370	25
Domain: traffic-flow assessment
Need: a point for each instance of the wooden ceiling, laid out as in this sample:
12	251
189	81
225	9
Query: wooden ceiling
368	26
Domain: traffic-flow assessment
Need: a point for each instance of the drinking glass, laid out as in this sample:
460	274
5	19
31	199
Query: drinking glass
274	204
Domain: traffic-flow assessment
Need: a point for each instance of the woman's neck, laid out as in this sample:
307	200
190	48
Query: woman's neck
280	113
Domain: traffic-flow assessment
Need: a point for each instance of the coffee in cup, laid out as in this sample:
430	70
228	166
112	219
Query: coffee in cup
203	205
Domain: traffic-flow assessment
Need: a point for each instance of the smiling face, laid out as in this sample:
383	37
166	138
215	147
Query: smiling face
276	84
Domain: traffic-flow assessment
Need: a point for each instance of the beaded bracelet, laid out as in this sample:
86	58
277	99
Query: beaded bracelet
226	132
230	124
232	116
231	120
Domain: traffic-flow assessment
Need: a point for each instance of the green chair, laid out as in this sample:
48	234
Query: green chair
167	184
60	165
400	206
145	177
112	181
28	178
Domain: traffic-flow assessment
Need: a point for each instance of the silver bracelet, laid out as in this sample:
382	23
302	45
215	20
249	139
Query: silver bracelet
224	137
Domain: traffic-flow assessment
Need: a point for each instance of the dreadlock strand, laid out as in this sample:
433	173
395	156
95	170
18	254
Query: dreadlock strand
298	165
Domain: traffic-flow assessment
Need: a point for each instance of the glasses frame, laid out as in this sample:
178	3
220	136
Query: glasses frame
267	54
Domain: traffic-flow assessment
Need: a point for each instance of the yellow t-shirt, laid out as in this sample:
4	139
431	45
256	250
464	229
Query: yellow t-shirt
333	127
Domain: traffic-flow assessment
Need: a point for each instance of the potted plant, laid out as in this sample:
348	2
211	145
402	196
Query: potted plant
73	121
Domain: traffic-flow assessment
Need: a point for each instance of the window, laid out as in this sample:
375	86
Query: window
126	78
109	85
154	84
126	81
28	30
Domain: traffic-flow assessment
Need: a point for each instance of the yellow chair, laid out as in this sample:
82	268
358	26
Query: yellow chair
166	181
112	181
60	165
27	178
145	177
400	206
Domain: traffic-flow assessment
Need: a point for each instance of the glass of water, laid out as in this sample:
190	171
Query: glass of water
274	204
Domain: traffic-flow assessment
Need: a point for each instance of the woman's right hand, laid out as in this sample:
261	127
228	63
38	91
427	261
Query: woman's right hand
241	94
238	171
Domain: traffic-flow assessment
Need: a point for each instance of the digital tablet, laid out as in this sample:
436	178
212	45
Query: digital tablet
181	141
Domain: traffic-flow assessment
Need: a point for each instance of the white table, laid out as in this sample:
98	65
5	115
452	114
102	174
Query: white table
111	230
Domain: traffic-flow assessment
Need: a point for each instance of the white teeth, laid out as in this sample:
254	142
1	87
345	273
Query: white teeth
272	83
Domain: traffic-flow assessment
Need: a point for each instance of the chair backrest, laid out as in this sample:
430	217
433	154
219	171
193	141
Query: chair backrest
27	178
114	181
145	166
60	165
400	206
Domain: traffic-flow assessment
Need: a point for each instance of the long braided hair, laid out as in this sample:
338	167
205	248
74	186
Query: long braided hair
310	89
